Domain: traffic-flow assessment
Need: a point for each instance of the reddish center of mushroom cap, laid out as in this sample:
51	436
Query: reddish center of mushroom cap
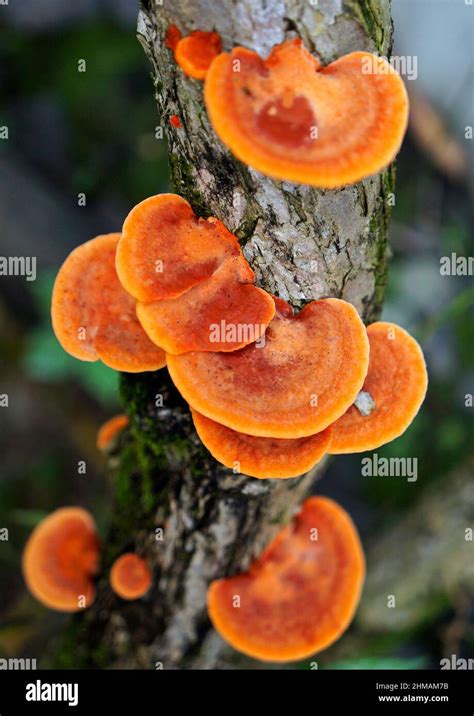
302	592
353	116
290	125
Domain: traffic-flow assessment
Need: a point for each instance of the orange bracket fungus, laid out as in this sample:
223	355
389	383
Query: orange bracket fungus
93	317
292	119
261	457
60	560
301	594
194	287
130	576
308	371
195	52
110	430
222	314
392	394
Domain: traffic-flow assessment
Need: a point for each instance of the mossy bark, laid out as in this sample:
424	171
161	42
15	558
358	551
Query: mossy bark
192	519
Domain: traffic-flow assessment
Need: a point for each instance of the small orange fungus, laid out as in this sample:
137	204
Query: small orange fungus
60	560
195	52
110	430
130	576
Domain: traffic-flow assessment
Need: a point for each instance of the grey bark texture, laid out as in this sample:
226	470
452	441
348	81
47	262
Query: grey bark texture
303	244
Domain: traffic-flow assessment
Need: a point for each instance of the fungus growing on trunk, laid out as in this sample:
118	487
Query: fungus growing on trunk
130	576
194	287
396	382
109	432
93	317
261	457
165	250
301	594
292	119
223	313
60	560
195	52
306	374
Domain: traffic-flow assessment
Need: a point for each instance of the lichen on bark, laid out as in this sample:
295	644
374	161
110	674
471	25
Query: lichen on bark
303	244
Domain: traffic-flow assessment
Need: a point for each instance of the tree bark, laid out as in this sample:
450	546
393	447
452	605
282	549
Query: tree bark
303	244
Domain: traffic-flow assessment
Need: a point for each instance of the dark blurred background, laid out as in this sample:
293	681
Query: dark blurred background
93	133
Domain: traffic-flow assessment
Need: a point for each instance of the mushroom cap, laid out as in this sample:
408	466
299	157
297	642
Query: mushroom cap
109	431
93	317
301	594
308	372
60	559
223	313
261	457
397	381
165	250
195	52
130	576
292	119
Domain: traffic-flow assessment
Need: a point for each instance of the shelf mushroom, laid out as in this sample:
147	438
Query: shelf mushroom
261	457
396	384
195	52
109	432
130	576
293	119
304	376
60	560
300	595
193	285
93	317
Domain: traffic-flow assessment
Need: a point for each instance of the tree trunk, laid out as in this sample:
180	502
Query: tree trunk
194	520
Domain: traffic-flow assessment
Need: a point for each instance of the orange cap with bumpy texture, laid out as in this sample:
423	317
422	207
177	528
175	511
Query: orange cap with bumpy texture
60	560
396	382
306	374
292	119
261	457
93	317
300	595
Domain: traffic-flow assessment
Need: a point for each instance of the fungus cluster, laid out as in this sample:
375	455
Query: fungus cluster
61	562
189	277
270	392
